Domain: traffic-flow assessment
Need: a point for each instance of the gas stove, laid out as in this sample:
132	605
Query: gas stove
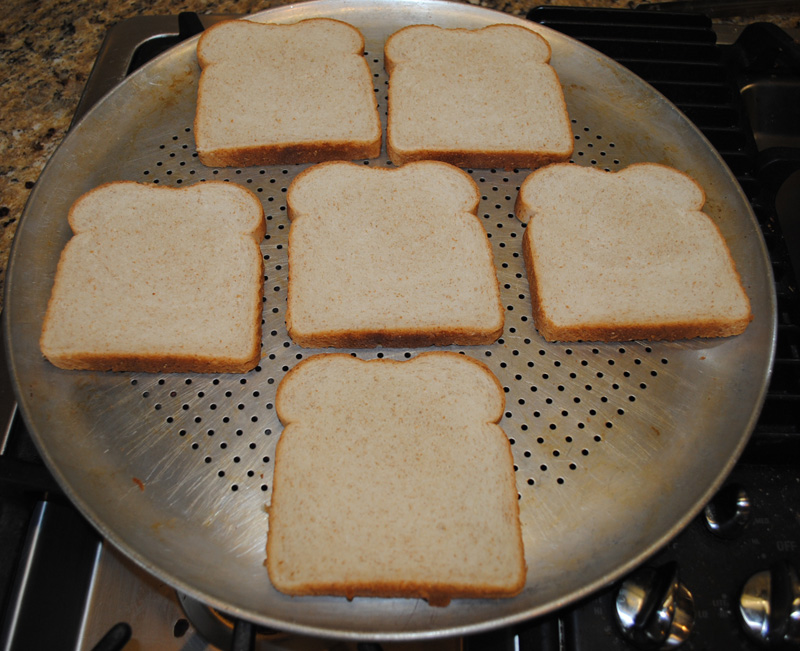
729	580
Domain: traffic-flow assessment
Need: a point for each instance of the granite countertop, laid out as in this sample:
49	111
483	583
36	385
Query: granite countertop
49	46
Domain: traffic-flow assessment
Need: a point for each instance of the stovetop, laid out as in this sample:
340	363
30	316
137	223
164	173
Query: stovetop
734	86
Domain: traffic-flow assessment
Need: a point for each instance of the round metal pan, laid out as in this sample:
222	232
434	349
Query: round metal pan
617	446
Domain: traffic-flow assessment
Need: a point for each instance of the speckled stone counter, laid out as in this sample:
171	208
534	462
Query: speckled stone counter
47	49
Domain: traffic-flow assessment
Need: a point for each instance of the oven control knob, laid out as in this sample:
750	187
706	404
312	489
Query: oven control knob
654	609
770	606
728	513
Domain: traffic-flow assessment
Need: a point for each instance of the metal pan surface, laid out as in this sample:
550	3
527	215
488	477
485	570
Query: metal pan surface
617	446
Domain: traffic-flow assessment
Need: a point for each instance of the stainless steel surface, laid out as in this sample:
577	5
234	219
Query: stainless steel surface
683	618
654	609
754	606
728	513
122	592
770	607
617	446
770	105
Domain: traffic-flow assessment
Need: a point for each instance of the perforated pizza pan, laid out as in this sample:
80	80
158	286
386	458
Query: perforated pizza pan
616	446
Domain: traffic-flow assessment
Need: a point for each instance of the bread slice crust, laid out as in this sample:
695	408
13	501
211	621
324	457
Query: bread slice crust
389	257
731	318
137	275
276	109
289	154
399	338
506	160
484	98
403	531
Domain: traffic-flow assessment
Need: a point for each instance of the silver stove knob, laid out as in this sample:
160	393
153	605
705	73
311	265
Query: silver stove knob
728	513
654	609
770	607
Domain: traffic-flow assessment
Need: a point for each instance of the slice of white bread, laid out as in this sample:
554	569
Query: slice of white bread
393	479
159	279
278	94
475	98
618	256
389	257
